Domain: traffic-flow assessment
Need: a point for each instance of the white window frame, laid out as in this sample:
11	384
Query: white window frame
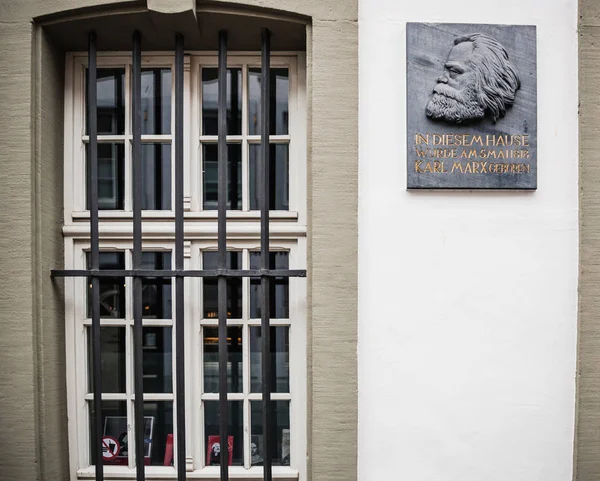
75	138
288	232
75	176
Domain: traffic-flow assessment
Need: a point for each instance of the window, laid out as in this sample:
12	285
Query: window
244	364
288	250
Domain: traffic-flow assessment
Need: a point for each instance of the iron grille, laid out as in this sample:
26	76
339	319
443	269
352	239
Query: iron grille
179	273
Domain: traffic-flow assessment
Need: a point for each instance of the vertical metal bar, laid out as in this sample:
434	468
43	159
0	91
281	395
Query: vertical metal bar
263	192
180	335
136	120
95	254
222	260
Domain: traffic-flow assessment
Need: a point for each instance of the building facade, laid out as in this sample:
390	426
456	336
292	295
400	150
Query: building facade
438	334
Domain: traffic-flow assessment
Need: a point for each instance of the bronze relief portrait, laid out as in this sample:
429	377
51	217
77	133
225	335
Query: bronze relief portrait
478	79
471	106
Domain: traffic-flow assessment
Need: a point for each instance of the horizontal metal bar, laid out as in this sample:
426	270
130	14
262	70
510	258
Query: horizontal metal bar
179	273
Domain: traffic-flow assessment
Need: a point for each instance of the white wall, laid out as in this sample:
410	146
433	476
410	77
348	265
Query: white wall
475	382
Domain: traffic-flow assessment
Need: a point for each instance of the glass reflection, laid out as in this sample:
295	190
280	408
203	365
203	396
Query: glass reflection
234	359
156	101
210	99
112	289
211	180
278	101
235	431
156	291
280	432
157	346
280	359
279	194
279	298
158	433
111	175
234	286
110	84
156	176
112	357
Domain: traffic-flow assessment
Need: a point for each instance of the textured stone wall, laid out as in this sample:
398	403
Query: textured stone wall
333	249
587	442
32	378
18	411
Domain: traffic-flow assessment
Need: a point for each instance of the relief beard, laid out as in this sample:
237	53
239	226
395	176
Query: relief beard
454	106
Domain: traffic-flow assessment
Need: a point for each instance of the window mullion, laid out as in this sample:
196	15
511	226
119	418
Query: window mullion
187	138
128	289
198	143
247	457
246	357
245	177
130	436
245	166
128	201
245	287
129	377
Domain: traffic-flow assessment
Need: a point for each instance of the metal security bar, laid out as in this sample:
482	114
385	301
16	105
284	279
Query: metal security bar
179	306
95	254
222	260
136	123
263	188
222	273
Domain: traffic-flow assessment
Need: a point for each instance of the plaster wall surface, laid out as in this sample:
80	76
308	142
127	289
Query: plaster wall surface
467	300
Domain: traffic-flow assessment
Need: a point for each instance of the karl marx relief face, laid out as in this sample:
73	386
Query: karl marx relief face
478	78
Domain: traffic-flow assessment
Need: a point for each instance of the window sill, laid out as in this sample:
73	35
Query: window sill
166	230
207	215
283	473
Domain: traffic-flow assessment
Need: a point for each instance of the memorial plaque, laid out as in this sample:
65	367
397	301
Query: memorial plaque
471	106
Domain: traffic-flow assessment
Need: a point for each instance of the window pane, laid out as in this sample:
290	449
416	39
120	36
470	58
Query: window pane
111	176
110	84
156	292
156	101
279	176
280	359
210	92
211	180
114	425
234	286
112	357
157	359
156	176
280	433
278	102
158	433
112	289
279	287
234	432
234	359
